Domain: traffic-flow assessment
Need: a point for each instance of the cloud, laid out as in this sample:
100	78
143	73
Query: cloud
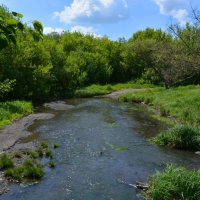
85	30
175	9
48	30
93	11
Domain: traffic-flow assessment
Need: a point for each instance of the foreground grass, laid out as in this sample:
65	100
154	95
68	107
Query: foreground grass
175	183
9	111
95	90
183	103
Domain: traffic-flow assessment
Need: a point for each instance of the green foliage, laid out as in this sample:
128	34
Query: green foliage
175	183
5	162
10	111
180	137
6	87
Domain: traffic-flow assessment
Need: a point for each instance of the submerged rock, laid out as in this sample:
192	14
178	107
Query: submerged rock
58	105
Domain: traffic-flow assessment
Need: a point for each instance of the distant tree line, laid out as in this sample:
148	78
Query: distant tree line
54	65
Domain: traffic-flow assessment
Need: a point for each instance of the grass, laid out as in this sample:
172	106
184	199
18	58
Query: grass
52	164
184	137
12	110
175	183
6	162
29	170
95	90
183	103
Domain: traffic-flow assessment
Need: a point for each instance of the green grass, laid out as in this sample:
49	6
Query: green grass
175	183
180	137
5	162
183	103
52	164
95	90
10	111
29	170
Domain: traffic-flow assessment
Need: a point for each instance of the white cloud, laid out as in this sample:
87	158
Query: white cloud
48	30
175	9
93	11
85	30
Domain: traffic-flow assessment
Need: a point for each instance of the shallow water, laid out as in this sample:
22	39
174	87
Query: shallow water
101	142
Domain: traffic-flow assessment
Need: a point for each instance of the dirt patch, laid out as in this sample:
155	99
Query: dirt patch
117	94
11	134
58	105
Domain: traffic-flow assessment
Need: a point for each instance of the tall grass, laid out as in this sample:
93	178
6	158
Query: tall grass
175	183
9	111
180	137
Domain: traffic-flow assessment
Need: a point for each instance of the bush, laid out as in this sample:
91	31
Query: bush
6	162
185	137
175	183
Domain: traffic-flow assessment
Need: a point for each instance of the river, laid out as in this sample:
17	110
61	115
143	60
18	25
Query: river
101	142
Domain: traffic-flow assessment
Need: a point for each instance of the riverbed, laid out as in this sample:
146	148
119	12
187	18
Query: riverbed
102	142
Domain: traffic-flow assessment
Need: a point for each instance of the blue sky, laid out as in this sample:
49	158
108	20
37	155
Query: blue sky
113	18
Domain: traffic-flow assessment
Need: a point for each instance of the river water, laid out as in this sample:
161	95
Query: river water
101	142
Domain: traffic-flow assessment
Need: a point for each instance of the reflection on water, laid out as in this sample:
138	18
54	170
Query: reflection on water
100	142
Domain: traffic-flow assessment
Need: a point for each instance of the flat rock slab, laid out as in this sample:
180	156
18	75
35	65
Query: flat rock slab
11	134
117	94
58	105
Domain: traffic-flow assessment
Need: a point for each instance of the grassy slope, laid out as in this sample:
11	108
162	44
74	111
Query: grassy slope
9	111
183	103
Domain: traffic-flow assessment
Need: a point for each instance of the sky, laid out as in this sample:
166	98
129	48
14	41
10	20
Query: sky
112	18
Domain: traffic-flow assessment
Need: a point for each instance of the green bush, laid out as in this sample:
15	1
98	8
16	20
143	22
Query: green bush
175	183
6	162
180	137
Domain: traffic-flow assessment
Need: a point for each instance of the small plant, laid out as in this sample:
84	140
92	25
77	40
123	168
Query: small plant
55	146
52	164
49	154
175	183
6	162
33	154
180	137
44	145
40	151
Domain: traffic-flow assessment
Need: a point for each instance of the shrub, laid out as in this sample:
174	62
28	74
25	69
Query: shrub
175	183
6	162
180	137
